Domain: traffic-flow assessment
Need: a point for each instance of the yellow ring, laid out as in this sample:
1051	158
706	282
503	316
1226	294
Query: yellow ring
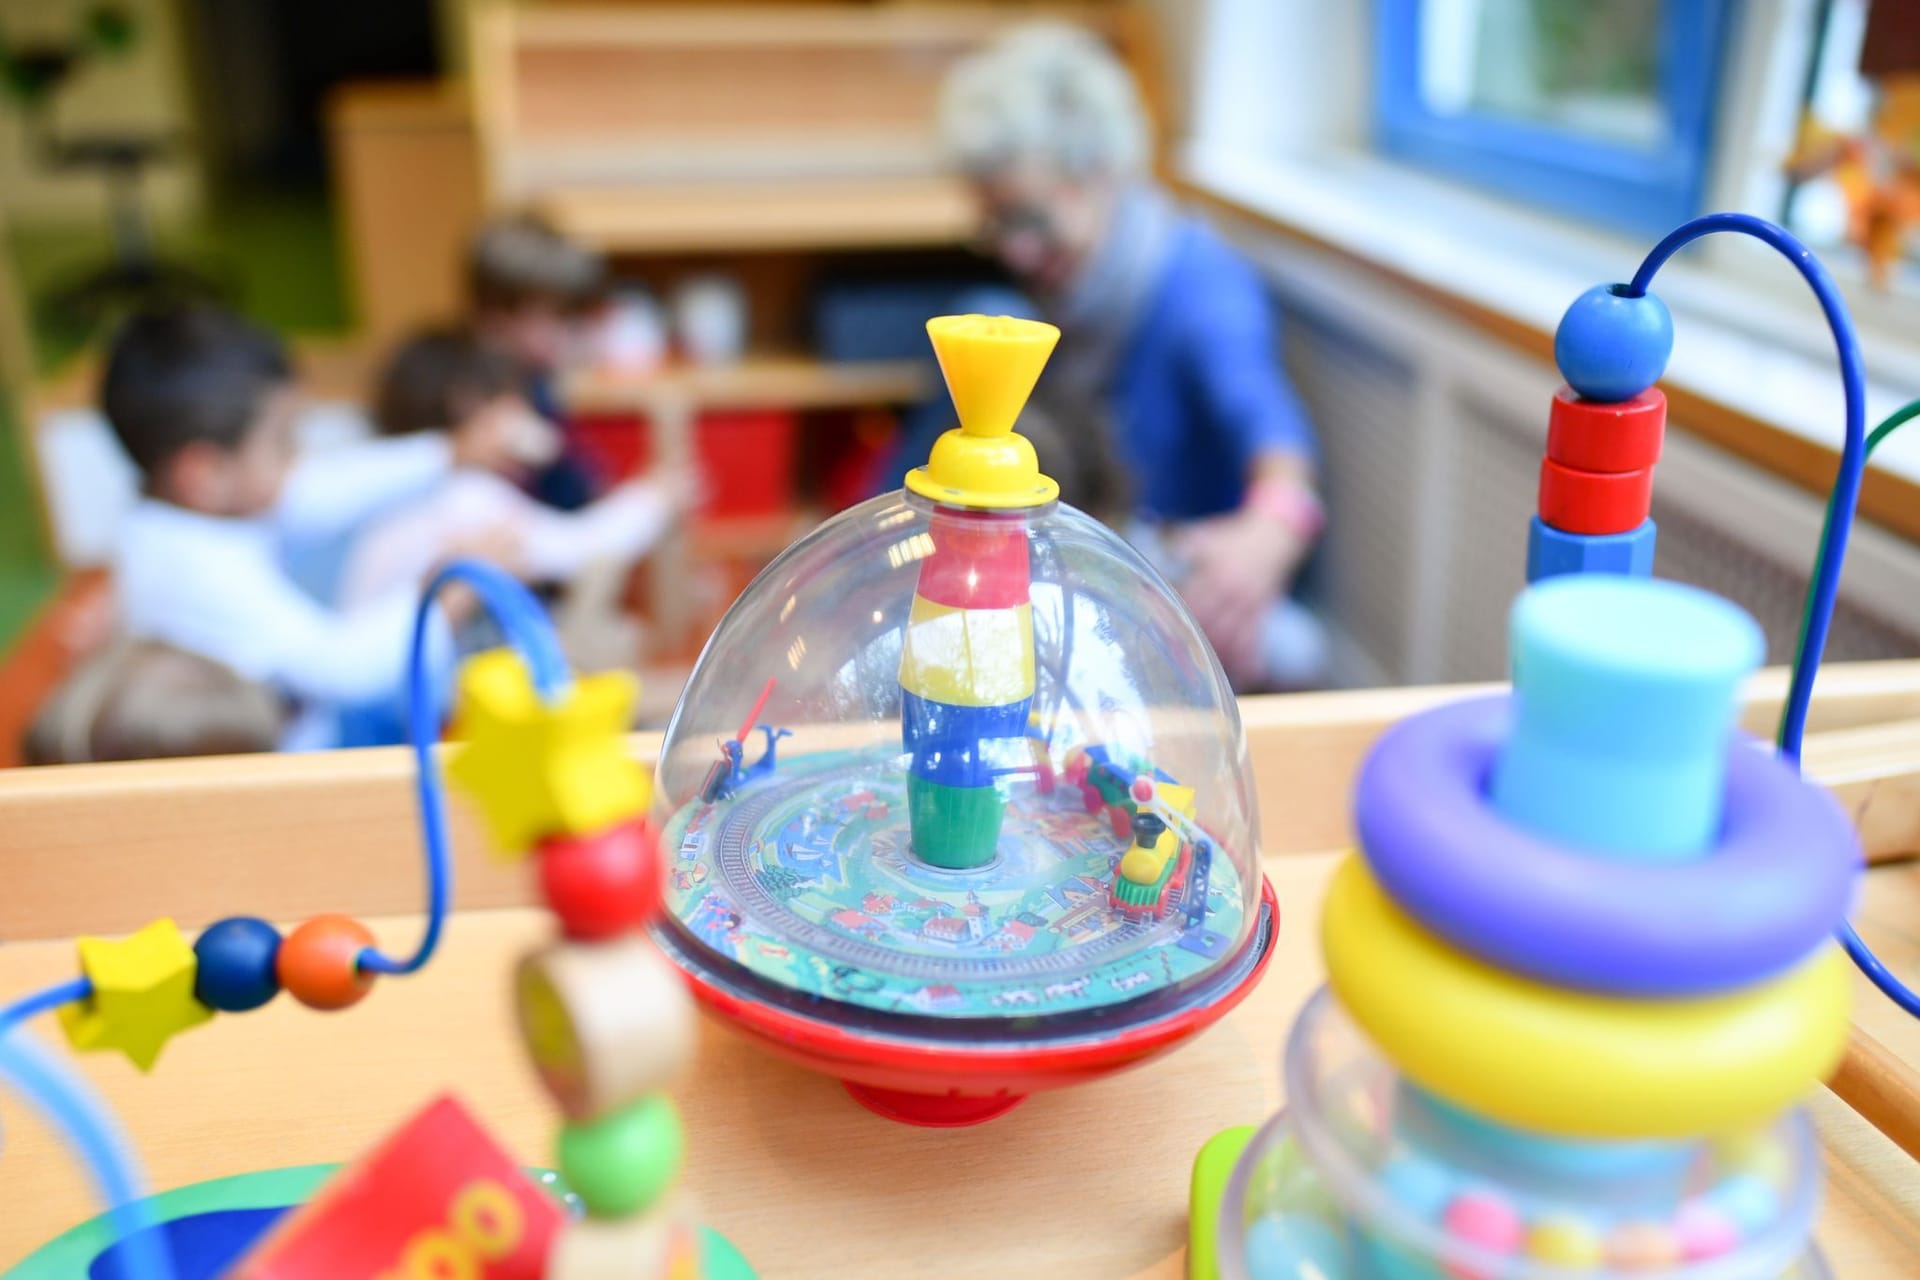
1569	1063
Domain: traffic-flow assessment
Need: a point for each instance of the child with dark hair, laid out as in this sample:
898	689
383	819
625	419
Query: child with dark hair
447	384
533	291
205	404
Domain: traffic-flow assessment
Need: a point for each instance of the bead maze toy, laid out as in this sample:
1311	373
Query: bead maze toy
605	1020
1581	968
1009	842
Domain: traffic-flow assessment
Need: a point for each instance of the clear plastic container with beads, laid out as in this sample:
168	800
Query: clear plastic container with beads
1360	1176
991	827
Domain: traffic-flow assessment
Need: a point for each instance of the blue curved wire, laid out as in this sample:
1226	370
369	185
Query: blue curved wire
1841	506
41	1001
1853	452
70	1107
527	629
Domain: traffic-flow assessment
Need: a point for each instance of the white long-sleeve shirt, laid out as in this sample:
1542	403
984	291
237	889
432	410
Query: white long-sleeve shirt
218	587
401	549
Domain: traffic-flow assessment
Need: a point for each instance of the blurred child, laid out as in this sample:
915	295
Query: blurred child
533	292
141	700
205	405
447	383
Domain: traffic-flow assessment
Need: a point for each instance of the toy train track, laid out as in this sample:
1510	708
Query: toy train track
806	876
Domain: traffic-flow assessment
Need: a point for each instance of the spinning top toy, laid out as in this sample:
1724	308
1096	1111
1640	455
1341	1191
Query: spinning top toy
1008	840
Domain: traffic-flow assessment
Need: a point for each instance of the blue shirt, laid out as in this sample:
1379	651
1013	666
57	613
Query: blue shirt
1200	392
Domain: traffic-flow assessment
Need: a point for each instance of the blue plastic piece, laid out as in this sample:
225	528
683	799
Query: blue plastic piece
1624	692
203	1246
236	958
1612	345
1552	553
1294	1246
960	746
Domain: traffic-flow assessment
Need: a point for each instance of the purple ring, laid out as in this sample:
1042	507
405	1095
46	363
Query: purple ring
1778	884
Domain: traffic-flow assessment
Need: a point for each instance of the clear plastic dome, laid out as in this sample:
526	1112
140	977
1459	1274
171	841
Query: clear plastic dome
1364	1176
1006	792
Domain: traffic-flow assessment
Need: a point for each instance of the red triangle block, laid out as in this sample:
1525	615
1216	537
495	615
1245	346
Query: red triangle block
437	1198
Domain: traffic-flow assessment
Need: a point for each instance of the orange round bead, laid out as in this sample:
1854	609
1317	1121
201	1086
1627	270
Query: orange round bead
319	964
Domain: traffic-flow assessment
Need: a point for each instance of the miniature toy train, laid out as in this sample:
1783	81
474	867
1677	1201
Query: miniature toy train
1169	859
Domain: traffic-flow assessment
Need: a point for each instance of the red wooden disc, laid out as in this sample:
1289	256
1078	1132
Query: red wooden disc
1617	437
1591	501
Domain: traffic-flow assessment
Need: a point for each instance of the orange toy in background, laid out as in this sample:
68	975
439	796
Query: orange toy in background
1877	170
1877	174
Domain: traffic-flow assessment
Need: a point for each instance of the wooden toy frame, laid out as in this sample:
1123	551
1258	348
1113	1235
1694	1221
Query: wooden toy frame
785	1164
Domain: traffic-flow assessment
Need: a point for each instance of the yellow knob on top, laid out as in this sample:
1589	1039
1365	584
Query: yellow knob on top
990	364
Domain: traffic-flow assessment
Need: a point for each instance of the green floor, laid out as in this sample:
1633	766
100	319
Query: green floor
275	249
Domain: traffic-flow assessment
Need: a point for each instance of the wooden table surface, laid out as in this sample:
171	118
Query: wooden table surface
1081	1183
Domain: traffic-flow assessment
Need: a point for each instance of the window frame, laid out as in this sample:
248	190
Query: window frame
1641	190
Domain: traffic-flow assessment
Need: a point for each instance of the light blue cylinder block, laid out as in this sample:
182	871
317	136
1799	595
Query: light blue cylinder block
1624	694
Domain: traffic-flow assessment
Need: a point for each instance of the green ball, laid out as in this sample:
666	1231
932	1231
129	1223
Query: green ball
622	1162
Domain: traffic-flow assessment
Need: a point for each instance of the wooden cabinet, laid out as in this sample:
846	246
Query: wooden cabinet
407	187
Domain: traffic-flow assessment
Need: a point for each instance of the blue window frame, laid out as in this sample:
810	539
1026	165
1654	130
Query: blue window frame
1464	88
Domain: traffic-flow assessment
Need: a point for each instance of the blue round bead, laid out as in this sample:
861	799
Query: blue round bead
1294	1246
1422	1186
236	958
1749	1200
1611	347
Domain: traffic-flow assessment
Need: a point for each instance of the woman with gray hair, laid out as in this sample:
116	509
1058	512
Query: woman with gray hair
1166	333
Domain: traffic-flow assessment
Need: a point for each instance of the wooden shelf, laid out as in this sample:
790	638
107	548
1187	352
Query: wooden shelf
681	130
728	216
755	382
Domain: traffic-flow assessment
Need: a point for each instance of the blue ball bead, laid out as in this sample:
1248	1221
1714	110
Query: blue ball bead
236	958
1749	1200
1294	1246
1421	1186
1611	347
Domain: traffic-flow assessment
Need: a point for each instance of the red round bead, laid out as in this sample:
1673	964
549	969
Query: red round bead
604	884
1591	502
1611	437
319	963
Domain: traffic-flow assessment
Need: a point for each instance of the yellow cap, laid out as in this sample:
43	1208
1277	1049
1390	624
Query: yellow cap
990	364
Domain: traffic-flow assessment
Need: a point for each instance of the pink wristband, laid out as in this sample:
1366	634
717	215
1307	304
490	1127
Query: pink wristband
1294	507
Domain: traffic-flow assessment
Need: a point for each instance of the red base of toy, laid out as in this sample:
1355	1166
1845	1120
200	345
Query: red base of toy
930	1110
917	1082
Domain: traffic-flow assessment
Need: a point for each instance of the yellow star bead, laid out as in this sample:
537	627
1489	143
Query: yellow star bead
142	993
538	770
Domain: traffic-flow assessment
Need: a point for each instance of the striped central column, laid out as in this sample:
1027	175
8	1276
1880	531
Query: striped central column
966	682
